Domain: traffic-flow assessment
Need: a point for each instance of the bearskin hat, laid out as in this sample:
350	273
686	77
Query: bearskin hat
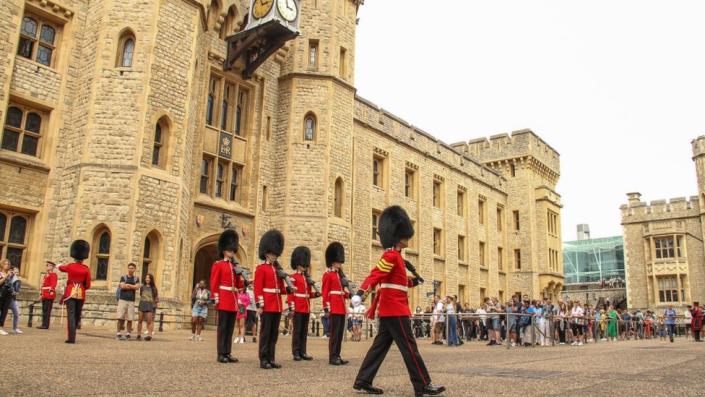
301	256
394	225
272	242
228	241
335	253
80	249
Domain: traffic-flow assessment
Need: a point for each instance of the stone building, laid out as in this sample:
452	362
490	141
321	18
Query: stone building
122	127
663	245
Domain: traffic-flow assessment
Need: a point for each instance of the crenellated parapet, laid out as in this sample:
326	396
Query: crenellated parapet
639	211
698	145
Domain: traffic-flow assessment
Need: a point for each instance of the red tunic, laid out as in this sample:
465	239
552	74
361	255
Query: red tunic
268	288
697	322
391	299
78	280
299	300
225	285
332	292
49	286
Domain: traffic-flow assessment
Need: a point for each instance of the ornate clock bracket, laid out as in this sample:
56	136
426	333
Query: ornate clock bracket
256	45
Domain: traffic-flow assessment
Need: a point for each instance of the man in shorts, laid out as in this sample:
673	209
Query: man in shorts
438	321
129	285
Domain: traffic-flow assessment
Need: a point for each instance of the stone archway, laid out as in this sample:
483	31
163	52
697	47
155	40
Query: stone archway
206	254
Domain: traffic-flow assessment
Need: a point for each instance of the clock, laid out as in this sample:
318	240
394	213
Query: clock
288	10
260	8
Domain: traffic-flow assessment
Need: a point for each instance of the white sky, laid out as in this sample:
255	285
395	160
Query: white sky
617	87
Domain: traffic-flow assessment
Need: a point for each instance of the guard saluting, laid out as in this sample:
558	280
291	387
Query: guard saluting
268	291
77	282
392	304
48	294
334	301
225	285
299	301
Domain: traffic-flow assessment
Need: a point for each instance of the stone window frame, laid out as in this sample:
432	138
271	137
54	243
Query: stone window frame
517	259
151	259
517	220
410	181
482	210
205	174
378	170
666	251
343	63
438	250
313	54
229	24
552	223
126	37
235	191
36	41
437	193
265	198
482	254
460	202
6	228
375	224
310	132
500	217
338	197
462	249
500	259
668	293
98	255
213	17
161	147
26	110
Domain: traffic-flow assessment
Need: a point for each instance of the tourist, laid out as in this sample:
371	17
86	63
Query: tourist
149	299
452	322
418	323
697	322
199	311
496	321
627	319
48	294
251	321
438	321
687	321
613	317
577	315
243	302
129	284
14	306
561	322
78	281
6	276
358	317
511	309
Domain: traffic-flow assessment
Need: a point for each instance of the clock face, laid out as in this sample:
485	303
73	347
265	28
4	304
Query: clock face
288	9
260	8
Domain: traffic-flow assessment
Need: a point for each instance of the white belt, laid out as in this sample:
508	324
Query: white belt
337	293
46	287
226	288
301	295
394	286
271	290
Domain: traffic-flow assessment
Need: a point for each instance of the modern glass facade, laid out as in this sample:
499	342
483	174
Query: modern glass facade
593	260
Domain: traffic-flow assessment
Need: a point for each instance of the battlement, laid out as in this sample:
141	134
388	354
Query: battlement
520	144
678	207
698	146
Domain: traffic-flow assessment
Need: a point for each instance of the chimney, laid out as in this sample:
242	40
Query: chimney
634	198
583	232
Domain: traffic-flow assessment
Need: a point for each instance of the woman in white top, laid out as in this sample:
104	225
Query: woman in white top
577	315
687	320
357	316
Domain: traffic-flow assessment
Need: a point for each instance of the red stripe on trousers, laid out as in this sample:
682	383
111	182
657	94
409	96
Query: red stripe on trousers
408	346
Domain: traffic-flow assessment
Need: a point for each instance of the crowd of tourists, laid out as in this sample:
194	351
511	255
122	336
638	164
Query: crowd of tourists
543	322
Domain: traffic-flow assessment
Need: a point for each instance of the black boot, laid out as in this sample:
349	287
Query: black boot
222	359
231	359
265	365
430	390
369	389
306	357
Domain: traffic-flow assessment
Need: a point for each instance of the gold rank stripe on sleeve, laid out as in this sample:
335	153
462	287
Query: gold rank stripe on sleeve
384	266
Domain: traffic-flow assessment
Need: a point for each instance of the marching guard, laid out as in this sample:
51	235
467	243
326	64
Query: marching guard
77	282
392	306
225	285
334	301
48	294
299	302
268	291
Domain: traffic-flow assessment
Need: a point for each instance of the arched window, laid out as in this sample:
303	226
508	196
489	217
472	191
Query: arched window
229	26
101	249
126	49
150	254
161	141
13	237
338	201
309	127
23	128
214	15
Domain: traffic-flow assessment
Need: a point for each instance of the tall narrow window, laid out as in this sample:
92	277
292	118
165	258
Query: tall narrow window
461	248
482	254
437	242
229	25
409	183
37	40
101	247
161	139
210	105
225	106
437	194
220	176
22	130
517	225
512	170
240	112
206	165
377	171
461	203
338	202
309	127
500	259
375	222
13	238
343	63
265	198
517	259
235	183
500	219
481	211
146	257
313	54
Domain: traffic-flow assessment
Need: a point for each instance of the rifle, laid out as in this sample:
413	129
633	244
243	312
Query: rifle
241	271
413	272
282	275
312	283
346	283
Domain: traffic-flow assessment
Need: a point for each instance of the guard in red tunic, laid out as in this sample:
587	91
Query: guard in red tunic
391	304
697	322
48	294
225	284
299	301
77	282
334	297
269	288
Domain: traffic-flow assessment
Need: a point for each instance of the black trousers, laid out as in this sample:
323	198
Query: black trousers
226	325
337	329
73	308
397	330
47	305
300	334
268	335
5	303
696	334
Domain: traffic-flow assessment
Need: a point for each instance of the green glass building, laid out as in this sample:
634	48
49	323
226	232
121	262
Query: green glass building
593	260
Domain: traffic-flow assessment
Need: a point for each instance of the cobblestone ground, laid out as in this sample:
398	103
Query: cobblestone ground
38	363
